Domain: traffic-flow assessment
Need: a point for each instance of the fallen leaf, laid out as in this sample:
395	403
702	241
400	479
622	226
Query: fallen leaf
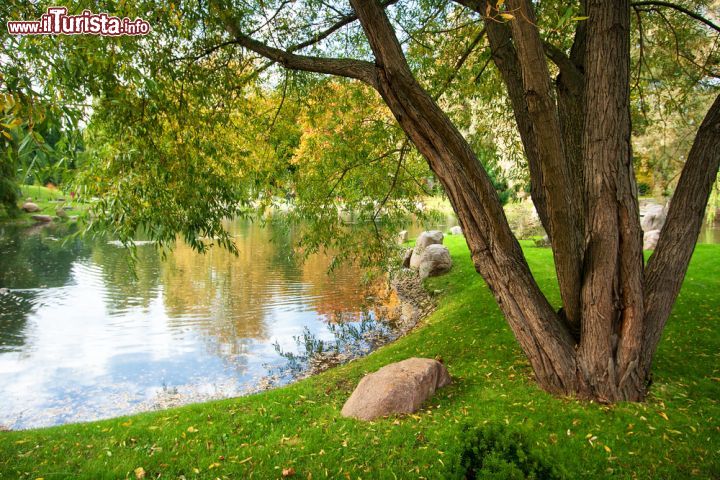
192	429
139	473
288	472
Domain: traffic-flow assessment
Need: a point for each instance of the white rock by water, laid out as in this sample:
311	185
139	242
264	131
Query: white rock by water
435	260
456	230
400	387
432	237
429	238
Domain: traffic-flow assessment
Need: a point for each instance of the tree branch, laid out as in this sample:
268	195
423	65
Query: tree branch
344	67
689	13
667	267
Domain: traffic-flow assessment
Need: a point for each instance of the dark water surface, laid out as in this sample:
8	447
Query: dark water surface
82	338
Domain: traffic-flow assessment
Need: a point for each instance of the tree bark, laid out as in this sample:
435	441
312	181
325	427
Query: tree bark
563	200
612	288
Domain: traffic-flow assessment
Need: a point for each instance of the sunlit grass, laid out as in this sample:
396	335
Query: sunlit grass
675	434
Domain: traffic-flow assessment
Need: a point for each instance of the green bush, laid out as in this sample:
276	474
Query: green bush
493	453
644	188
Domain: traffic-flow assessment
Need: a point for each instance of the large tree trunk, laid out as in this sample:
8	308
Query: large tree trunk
602	348
495	251
612	292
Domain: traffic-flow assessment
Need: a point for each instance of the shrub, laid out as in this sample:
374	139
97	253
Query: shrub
493	453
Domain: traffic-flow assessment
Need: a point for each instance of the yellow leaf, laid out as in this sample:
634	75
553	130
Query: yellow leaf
126	424
139	473
662	414
7	135
607	449
507	16
499	3
192	429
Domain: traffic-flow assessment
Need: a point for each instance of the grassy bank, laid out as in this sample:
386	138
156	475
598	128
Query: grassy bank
49	200
675	434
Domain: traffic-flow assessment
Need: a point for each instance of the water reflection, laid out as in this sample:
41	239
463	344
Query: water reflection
82	336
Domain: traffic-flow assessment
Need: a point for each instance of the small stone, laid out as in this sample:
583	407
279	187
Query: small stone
42	218
456	230
30	207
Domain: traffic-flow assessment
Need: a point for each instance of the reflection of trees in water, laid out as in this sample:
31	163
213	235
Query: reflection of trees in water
127	285
233	293
228	299
31	258
37	256
340	291
238	294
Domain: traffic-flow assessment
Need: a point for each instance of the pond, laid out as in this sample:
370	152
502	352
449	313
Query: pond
83	338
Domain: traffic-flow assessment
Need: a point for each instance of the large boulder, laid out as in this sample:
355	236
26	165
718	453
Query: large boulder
30	207
456	230
653	217
650	239
400	387
403	236
434	260
431	237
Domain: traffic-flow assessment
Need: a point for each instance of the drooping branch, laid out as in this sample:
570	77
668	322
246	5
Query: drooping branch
679	8
460	62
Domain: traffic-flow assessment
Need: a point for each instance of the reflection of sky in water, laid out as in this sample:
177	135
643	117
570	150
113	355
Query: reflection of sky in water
81	338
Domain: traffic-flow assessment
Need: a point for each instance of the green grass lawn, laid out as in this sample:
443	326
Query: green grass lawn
48	201
675	434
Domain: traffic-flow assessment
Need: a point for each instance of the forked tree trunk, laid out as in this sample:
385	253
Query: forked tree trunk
603	349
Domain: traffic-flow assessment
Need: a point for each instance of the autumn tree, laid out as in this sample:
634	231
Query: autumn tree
566	72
